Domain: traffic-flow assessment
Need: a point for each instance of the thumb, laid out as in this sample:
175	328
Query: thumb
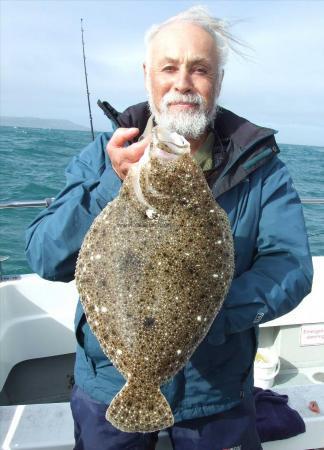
122	135
137	150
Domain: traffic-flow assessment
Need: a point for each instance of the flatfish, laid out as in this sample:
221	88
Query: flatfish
152	274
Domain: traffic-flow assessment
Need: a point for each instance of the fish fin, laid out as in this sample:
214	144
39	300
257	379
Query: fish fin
139	407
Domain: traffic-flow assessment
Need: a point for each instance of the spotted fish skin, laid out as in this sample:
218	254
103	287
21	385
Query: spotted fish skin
152	274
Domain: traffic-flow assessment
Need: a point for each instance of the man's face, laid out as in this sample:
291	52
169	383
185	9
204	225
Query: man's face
182	72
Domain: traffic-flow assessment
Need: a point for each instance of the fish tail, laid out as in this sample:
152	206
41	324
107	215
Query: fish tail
139	407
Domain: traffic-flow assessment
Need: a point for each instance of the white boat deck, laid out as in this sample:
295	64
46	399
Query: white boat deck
31	308
41	427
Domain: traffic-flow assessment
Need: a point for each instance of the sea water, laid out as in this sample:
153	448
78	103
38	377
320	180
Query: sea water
32	164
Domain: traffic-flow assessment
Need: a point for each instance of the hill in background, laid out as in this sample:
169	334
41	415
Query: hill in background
35	122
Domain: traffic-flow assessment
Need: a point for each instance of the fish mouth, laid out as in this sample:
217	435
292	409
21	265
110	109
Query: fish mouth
168	144
165	152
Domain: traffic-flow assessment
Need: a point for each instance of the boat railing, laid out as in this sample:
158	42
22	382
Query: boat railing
48	201
312	201
27	203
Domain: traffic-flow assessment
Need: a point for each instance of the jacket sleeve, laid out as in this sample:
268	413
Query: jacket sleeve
281	272
54	238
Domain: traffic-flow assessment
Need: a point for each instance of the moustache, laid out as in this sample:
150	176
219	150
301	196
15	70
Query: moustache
192	99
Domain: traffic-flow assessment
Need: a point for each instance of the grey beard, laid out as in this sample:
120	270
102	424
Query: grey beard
192	124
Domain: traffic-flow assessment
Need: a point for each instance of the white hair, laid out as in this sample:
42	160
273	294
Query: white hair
199	16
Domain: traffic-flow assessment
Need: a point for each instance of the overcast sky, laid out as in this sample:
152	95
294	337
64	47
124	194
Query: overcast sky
281	85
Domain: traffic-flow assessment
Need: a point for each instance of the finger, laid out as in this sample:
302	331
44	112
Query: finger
121	136
131	153
134	152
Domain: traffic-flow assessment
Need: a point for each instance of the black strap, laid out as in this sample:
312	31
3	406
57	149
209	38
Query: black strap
110	112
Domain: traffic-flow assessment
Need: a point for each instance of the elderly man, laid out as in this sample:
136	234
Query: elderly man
211	397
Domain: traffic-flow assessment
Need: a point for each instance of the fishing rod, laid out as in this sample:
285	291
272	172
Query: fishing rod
86	79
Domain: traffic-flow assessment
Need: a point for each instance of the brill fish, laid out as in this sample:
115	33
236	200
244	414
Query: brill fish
152	274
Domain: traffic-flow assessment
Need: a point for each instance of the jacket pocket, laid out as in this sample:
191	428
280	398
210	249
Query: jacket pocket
228	363
216	333
79	321
87	340
93	350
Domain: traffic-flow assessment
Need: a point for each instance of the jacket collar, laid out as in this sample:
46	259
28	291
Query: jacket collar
227	126
247	146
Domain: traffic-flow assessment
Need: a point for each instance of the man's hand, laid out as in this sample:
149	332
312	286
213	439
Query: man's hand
123	157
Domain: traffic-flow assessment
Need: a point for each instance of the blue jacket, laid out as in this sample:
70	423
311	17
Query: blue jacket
273	266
